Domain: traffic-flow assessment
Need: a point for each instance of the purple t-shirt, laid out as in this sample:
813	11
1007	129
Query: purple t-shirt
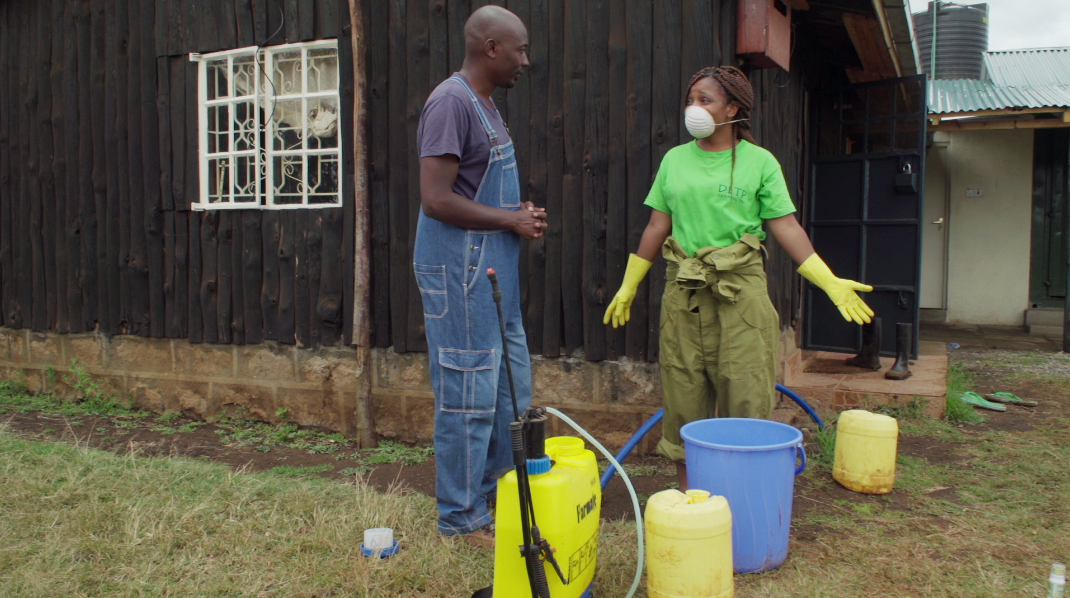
450	124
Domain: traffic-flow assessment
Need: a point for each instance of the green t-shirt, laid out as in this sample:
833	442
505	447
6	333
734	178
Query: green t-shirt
692	187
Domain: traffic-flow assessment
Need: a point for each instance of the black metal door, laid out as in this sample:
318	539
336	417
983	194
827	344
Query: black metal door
1051	219
865	216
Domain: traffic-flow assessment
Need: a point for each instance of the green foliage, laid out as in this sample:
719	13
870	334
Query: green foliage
169	417
959	411
865	508
281	413
389	451
912	410
354	471
956	410
826	441
326	448
88	399
290	471
263	436
50	379
13	388
190	427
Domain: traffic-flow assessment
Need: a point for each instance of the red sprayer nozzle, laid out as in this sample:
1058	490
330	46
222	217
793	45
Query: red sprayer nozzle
490	271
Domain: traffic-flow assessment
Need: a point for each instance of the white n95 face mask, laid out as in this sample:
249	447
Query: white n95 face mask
700	123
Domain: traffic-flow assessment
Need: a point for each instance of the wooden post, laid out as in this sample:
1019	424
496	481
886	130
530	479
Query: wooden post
1066	308
1064	181
362	260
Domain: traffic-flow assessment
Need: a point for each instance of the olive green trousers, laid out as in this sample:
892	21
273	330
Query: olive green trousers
719	334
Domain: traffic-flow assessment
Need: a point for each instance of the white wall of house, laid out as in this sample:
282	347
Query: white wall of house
988	240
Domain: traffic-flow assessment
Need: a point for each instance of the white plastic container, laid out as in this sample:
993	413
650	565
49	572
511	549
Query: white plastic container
379	541
1057	581
378	538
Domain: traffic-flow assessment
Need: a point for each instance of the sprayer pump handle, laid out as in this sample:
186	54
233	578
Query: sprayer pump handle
493	276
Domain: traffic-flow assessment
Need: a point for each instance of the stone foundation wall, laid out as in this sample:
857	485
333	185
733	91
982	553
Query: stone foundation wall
611	399
315	387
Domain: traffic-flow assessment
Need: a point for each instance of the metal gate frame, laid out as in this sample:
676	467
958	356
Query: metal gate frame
895	295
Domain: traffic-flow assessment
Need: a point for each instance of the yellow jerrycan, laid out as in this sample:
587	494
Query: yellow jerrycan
568	502
866	445
688	545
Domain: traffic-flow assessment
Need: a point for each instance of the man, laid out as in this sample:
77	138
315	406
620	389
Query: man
472	219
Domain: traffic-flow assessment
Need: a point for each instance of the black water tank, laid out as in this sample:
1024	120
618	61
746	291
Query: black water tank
961	39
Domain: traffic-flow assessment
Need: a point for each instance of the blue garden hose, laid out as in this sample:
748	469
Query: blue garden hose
628	446
654	419
806	406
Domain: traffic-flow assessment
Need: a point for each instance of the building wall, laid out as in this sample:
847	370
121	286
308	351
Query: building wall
989	236
318	386
99	167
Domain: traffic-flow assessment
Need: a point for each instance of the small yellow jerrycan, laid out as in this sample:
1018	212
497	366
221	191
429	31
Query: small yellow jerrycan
865	451
688	545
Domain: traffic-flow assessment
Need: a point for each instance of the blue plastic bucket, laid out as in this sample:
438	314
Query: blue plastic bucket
752	463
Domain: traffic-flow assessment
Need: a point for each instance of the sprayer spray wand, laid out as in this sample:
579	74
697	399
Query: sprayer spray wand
531	550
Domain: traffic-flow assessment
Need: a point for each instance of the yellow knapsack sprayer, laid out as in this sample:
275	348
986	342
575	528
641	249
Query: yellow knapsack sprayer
564	507
549	506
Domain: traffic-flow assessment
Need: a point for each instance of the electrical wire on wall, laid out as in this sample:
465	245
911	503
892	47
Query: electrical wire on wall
791	52
260	65
262	151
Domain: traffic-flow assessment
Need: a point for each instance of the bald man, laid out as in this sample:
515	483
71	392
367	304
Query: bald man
472	219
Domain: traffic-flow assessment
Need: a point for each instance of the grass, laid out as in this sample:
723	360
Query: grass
1004	359
638	470
958	382
395	452
240	430
1028	367
990	526
84	522
231	429
80	522
288	471
826	441
89	398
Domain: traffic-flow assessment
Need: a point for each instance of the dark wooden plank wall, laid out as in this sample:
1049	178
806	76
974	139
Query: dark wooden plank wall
779	115
98	169
592	119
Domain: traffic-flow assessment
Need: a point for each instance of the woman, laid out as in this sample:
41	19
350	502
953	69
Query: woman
719	331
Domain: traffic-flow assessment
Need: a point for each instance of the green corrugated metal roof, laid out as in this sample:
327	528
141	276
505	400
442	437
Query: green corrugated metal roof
1040	67
1038	78
970	95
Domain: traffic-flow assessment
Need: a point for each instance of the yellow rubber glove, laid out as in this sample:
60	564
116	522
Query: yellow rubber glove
841	291
620	308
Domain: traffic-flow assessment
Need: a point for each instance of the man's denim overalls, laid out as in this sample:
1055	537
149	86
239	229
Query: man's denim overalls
472	403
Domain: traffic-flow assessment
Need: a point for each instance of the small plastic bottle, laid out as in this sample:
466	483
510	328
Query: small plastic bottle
1057	581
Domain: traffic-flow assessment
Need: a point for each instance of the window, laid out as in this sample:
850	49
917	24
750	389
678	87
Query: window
269	132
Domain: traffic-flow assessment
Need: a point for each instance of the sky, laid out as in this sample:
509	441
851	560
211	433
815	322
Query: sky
1020	24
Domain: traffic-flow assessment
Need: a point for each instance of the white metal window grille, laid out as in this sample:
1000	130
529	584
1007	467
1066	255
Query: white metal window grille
269	127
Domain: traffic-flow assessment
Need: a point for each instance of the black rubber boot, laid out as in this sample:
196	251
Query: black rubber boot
903	341
870	355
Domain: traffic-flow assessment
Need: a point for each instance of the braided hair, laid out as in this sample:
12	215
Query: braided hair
739	91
